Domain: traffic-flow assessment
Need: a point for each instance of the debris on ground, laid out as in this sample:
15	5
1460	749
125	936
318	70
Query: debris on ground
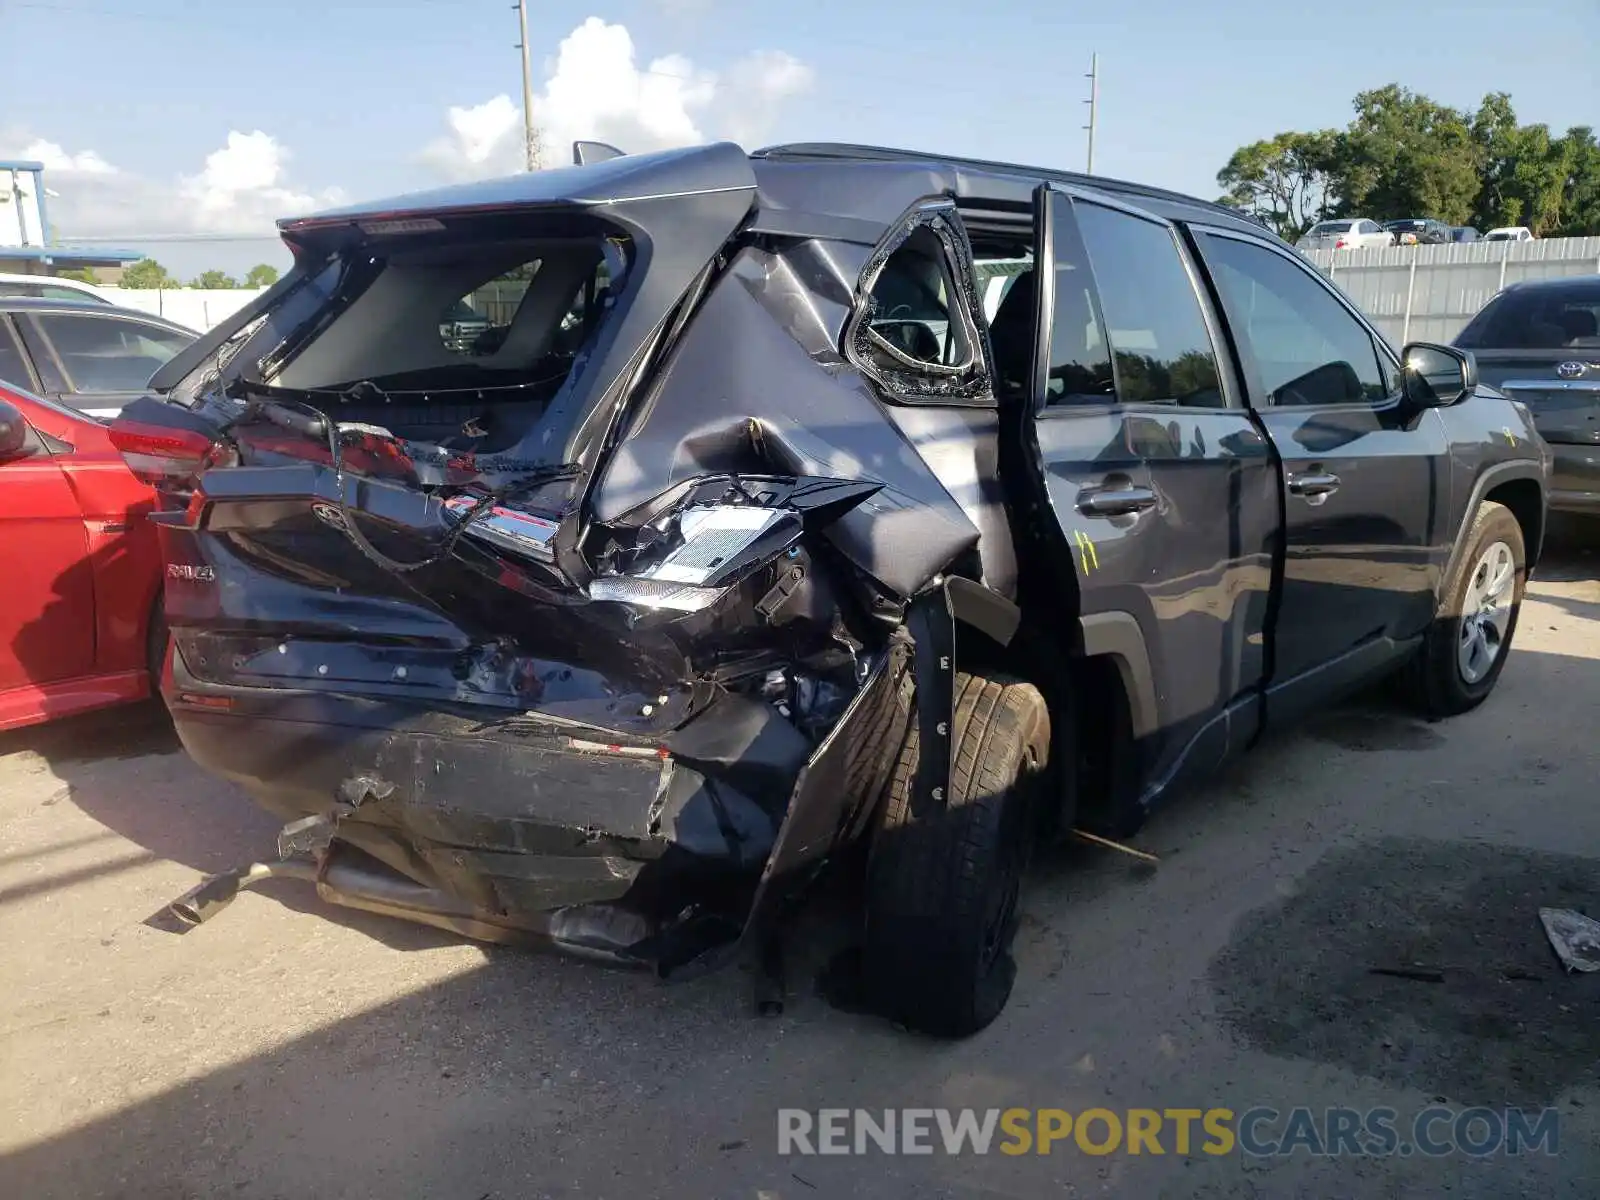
1575	937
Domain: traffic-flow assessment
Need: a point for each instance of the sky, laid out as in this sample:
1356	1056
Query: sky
200	121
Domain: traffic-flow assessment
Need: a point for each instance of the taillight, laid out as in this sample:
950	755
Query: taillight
161	455
1340	244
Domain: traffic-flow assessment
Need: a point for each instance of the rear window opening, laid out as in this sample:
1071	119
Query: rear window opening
1568	319
456	341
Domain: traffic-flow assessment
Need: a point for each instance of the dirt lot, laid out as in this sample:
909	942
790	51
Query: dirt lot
286	1050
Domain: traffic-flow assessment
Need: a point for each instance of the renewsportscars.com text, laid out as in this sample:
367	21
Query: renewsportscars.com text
1260	1131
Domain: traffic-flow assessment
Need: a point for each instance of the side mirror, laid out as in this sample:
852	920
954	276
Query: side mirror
13	432
1435	376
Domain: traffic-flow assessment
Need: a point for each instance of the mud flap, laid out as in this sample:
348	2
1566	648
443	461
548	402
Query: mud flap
932	625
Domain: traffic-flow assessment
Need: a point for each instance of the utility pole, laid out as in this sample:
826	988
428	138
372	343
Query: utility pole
529	129
1094	103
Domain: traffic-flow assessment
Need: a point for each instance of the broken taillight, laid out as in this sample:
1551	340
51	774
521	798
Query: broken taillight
160	455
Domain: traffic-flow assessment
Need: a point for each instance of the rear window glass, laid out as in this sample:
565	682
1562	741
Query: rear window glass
1568	318
1331	227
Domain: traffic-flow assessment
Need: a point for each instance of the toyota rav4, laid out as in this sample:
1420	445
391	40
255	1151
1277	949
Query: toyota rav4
822	505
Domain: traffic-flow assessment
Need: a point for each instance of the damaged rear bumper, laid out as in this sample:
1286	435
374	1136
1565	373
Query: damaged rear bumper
671	854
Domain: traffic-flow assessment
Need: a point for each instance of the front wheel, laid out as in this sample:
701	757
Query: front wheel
1465	648
942	891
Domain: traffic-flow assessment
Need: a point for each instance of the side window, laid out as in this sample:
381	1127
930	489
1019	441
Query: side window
13	366
1153	320
1080	362
913	330
108	354
1308	349
911	305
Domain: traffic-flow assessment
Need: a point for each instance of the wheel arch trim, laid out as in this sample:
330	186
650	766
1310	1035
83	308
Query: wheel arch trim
1487	480
1118	636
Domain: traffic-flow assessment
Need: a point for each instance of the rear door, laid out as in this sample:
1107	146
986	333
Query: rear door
47	602
1366	507
1159	487
95	362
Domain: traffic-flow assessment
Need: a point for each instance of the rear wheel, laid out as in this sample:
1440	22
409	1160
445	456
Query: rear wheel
942	892
1465	648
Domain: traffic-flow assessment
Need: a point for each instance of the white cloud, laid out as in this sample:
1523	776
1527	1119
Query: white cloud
241	188
57	160
597	90
482	140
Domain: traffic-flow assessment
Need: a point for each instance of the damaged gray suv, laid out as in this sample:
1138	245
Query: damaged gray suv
823	506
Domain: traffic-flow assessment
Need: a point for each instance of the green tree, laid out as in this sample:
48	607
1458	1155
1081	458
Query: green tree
1405	156
148	273
81	274
215	280
261	275
1580	210
1289	181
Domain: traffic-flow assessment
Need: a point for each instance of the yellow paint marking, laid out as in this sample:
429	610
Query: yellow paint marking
1091	560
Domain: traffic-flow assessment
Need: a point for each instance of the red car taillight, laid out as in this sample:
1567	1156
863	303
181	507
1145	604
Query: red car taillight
1340	244
158	455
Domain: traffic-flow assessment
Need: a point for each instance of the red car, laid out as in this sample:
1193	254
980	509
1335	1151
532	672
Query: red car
80	620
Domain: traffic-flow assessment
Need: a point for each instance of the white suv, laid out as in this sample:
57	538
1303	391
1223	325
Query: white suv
1358	233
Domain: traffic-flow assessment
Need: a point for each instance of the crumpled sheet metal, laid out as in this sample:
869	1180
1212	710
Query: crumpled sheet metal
1575	937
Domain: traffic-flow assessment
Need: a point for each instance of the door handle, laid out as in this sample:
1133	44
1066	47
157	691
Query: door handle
1115	501
1314	485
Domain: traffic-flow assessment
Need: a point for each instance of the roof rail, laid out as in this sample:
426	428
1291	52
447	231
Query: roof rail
846	152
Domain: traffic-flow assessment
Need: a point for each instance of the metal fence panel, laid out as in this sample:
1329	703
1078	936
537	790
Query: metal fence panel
1427	293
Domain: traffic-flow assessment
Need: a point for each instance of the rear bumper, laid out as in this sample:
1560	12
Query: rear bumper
515	815
1575	478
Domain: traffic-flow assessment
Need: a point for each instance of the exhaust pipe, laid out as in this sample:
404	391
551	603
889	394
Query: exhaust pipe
204	901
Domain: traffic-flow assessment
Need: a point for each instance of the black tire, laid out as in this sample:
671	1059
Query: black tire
941	904
1436	681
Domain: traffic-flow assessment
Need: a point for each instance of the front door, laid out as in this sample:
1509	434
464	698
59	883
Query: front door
1365	477
1157	486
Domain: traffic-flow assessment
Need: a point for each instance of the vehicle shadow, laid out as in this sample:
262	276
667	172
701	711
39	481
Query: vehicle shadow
125	768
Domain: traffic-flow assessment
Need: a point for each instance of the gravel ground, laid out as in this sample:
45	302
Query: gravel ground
289	1050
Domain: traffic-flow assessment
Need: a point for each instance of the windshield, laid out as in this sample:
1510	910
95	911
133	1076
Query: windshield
1562	318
